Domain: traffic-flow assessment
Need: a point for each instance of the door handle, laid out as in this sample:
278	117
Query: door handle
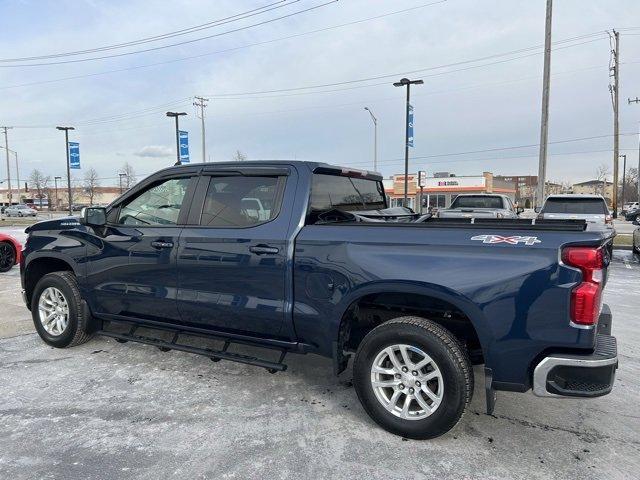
158	244
264	250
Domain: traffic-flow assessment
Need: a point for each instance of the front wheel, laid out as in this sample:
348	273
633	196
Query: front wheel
57	311
413	377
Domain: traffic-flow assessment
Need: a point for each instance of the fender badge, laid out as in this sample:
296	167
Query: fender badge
491	239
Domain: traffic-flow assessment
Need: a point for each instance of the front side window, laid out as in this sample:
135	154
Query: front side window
239	201
159	205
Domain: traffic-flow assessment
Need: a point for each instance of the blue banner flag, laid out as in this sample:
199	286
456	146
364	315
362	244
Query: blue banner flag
410	127
184	146
74	155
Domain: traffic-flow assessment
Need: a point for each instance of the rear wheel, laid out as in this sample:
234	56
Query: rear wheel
57	311
413	378
7	256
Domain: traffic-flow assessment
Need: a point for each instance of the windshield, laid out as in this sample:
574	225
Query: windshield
345	193
473	201
585	206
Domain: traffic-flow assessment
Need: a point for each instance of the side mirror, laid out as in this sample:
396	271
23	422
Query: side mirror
537	209
519	210
93	216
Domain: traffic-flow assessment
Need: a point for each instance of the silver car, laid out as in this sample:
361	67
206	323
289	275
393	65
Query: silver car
481	205
20	211
591	208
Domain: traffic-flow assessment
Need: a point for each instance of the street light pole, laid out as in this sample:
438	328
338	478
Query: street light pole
66	147
544	122
624	177
176	115
375	139
6	147
55	182
406	82
637	100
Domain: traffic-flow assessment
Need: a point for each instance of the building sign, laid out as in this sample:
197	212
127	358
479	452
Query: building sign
422	179
456	183
74	155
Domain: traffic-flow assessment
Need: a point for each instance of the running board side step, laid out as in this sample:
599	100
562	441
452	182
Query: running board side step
214	355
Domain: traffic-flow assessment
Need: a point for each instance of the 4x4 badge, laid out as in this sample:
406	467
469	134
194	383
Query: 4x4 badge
510	240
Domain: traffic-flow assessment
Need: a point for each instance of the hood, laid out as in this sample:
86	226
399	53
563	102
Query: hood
64	223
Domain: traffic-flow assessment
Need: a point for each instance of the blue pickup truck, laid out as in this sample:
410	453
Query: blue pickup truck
298	257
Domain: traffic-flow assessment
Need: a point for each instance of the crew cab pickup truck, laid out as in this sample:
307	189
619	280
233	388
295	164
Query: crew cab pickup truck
486	205
298	257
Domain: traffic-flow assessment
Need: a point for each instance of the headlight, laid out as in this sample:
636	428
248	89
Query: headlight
499	215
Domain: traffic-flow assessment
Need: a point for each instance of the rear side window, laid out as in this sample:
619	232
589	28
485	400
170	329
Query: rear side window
477	202
238	201
345	193
585	206
158	205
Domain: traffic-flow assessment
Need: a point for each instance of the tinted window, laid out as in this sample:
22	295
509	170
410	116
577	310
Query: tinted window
240	201
477	202
586	206
345	193
159	205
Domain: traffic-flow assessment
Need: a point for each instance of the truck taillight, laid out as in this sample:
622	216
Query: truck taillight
586	298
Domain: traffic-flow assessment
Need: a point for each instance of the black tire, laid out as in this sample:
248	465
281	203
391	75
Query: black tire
77	331
7	256
451	359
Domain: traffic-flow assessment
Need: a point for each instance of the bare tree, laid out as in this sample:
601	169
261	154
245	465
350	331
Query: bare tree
90	184
129	177
39	182
602	172
240	156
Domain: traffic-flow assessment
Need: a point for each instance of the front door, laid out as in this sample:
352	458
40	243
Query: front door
232	265
131	270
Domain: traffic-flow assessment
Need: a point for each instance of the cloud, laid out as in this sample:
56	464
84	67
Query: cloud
154	151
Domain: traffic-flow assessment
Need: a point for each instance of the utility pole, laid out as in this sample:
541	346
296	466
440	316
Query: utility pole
375	139
66	147
120	175
55	182
544	123
406	82
615	92
624	176
637	100
176	115
202	103
6	149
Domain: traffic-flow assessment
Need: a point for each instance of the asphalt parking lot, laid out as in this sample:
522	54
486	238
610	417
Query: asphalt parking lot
104	410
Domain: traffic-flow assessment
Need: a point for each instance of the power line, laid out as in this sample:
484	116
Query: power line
185	42
210	24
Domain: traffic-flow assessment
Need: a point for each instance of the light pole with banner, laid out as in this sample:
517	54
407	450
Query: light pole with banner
183	144
408	131
176	115
67	148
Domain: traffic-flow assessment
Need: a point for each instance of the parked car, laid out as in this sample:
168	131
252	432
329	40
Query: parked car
633	215
590	208
481	206
320	270
629	206
20	211
10	252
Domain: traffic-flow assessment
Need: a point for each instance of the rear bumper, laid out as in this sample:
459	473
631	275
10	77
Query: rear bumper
577	375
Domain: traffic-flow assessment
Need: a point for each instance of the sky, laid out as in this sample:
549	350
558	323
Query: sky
481	62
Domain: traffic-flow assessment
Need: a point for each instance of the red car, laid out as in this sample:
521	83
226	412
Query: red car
10	252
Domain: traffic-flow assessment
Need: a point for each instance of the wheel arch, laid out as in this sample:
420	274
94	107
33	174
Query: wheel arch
38	266
375	303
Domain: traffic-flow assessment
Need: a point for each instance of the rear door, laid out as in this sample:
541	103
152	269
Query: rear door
232	259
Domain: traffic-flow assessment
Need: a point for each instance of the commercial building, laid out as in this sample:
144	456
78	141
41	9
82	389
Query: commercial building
442	188
79	196
595	187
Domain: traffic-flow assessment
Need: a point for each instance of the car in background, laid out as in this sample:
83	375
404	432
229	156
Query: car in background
20	211
630	206
485	205
633	215
10	252
592	209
